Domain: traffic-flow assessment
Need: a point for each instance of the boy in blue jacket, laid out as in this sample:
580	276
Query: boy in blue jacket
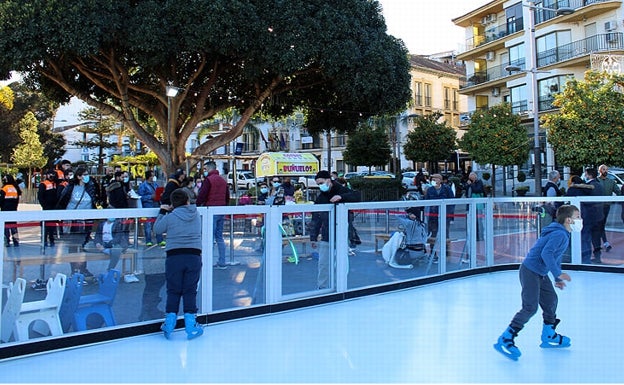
537	289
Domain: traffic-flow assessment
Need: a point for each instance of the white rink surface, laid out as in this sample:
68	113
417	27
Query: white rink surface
440	333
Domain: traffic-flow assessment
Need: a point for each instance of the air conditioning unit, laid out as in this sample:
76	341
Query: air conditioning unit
495	91
490	55
610	25
491	18
484	20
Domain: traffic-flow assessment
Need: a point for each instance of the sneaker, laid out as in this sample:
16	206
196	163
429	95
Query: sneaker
39	285
163	244
351	252
87	273
607	246
464	260
130	278
148	244
220	267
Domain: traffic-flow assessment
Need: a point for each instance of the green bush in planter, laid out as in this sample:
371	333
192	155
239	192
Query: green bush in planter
521	176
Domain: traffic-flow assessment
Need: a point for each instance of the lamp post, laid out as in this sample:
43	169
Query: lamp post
171	92
537	151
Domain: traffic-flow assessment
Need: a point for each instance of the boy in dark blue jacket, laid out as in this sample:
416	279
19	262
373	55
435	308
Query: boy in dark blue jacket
537	288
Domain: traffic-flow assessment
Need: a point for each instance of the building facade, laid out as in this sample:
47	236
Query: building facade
505	58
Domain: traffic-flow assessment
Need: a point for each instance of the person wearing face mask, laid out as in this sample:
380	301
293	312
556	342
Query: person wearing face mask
118	190
593	215
537	288
263	193
147	191
276	194
330	192
215	192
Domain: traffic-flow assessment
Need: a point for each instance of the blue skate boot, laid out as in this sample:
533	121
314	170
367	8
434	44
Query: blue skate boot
506	346
550	338
169	325
193	329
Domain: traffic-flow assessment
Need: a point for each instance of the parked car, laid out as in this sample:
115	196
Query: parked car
408	180
353	174
245	178
617	174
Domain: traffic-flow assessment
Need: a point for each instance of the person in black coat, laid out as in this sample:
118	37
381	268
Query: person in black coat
47	195
331	192
589	214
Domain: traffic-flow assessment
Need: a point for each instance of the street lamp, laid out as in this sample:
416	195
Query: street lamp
171	92
534	90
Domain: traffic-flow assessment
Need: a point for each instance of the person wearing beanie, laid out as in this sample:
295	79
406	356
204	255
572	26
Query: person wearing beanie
331	192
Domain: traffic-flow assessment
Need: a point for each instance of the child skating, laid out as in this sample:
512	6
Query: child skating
537	288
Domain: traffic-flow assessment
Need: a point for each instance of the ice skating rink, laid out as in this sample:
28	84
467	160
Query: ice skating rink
440	333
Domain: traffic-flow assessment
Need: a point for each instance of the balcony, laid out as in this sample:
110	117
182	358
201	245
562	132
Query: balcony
583	9
607	42
493	34
491	74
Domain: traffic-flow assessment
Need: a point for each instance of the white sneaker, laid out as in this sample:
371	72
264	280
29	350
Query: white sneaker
130	278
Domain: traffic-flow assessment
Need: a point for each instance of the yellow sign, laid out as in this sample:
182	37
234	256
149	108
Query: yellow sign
286	163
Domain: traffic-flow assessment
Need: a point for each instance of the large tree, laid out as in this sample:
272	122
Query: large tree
368	147
334	59
430	141
29	153
589	128
495	136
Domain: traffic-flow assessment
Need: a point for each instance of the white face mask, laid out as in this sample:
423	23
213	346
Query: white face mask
434	183
154	178
577	225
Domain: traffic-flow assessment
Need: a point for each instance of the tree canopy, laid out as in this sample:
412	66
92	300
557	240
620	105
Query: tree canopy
495	136
589	128
430	140
29	153
368	147
333	59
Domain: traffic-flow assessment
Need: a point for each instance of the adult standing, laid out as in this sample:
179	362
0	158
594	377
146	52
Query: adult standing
9	200
474	189
593	215
174	182
215	192
438	190
47	196
147	191
330	192
80	194
610	187
118	190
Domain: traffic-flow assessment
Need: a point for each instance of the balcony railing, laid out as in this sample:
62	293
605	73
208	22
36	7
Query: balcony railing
519	106
597	43
543	15
494	33
492	73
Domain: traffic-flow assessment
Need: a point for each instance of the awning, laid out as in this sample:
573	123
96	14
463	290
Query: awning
286	164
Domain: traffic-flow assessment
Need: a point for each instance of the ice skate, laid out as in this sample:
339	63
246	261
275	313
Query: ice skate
192	327
169	325
506	346
550	338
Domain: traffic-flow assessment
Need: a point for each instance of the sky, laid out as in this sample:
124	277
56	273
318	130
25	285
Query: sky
424	26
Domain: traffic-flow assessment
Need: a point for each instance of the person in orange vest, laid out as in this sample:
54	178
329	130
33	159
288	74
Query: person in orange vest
48	198
9	200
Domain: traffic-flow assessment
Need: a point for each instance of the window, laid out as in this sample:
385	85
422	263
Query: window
513	15
447	98
481	102
455	99
548	88
518	96
418	94
517	55
548	51
427	95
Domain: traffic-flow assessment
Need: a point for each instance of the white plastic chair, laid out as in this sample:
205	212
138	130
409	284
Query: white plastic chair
46	310
15	297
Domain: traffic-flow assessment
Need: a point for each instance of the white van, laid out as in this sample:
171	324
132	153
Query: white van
246	179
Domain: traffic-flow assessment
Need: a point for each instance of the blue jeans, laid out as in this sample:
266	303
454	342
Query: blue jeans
147	226
182	272
217	233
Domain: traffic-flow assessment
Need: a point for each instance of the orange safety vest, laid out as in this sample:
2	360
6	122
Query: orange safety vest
10	192
49	185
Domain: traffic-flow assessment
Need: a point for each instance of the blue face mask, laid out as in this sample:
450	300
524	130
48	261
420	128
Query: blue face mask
126	179
205	173
276	184
85	178
111	219
324	187
264	190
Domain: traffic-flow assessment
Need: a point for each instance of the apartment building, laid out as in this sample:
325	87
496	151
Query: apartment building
505	59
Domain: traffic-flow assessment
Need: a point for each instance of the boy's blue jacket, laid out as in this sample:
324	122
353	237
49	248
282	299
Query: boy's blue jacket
548	251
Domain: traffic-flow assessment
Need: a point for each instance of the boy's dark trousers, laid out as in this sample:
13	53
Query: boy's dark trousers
536	290
182	272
